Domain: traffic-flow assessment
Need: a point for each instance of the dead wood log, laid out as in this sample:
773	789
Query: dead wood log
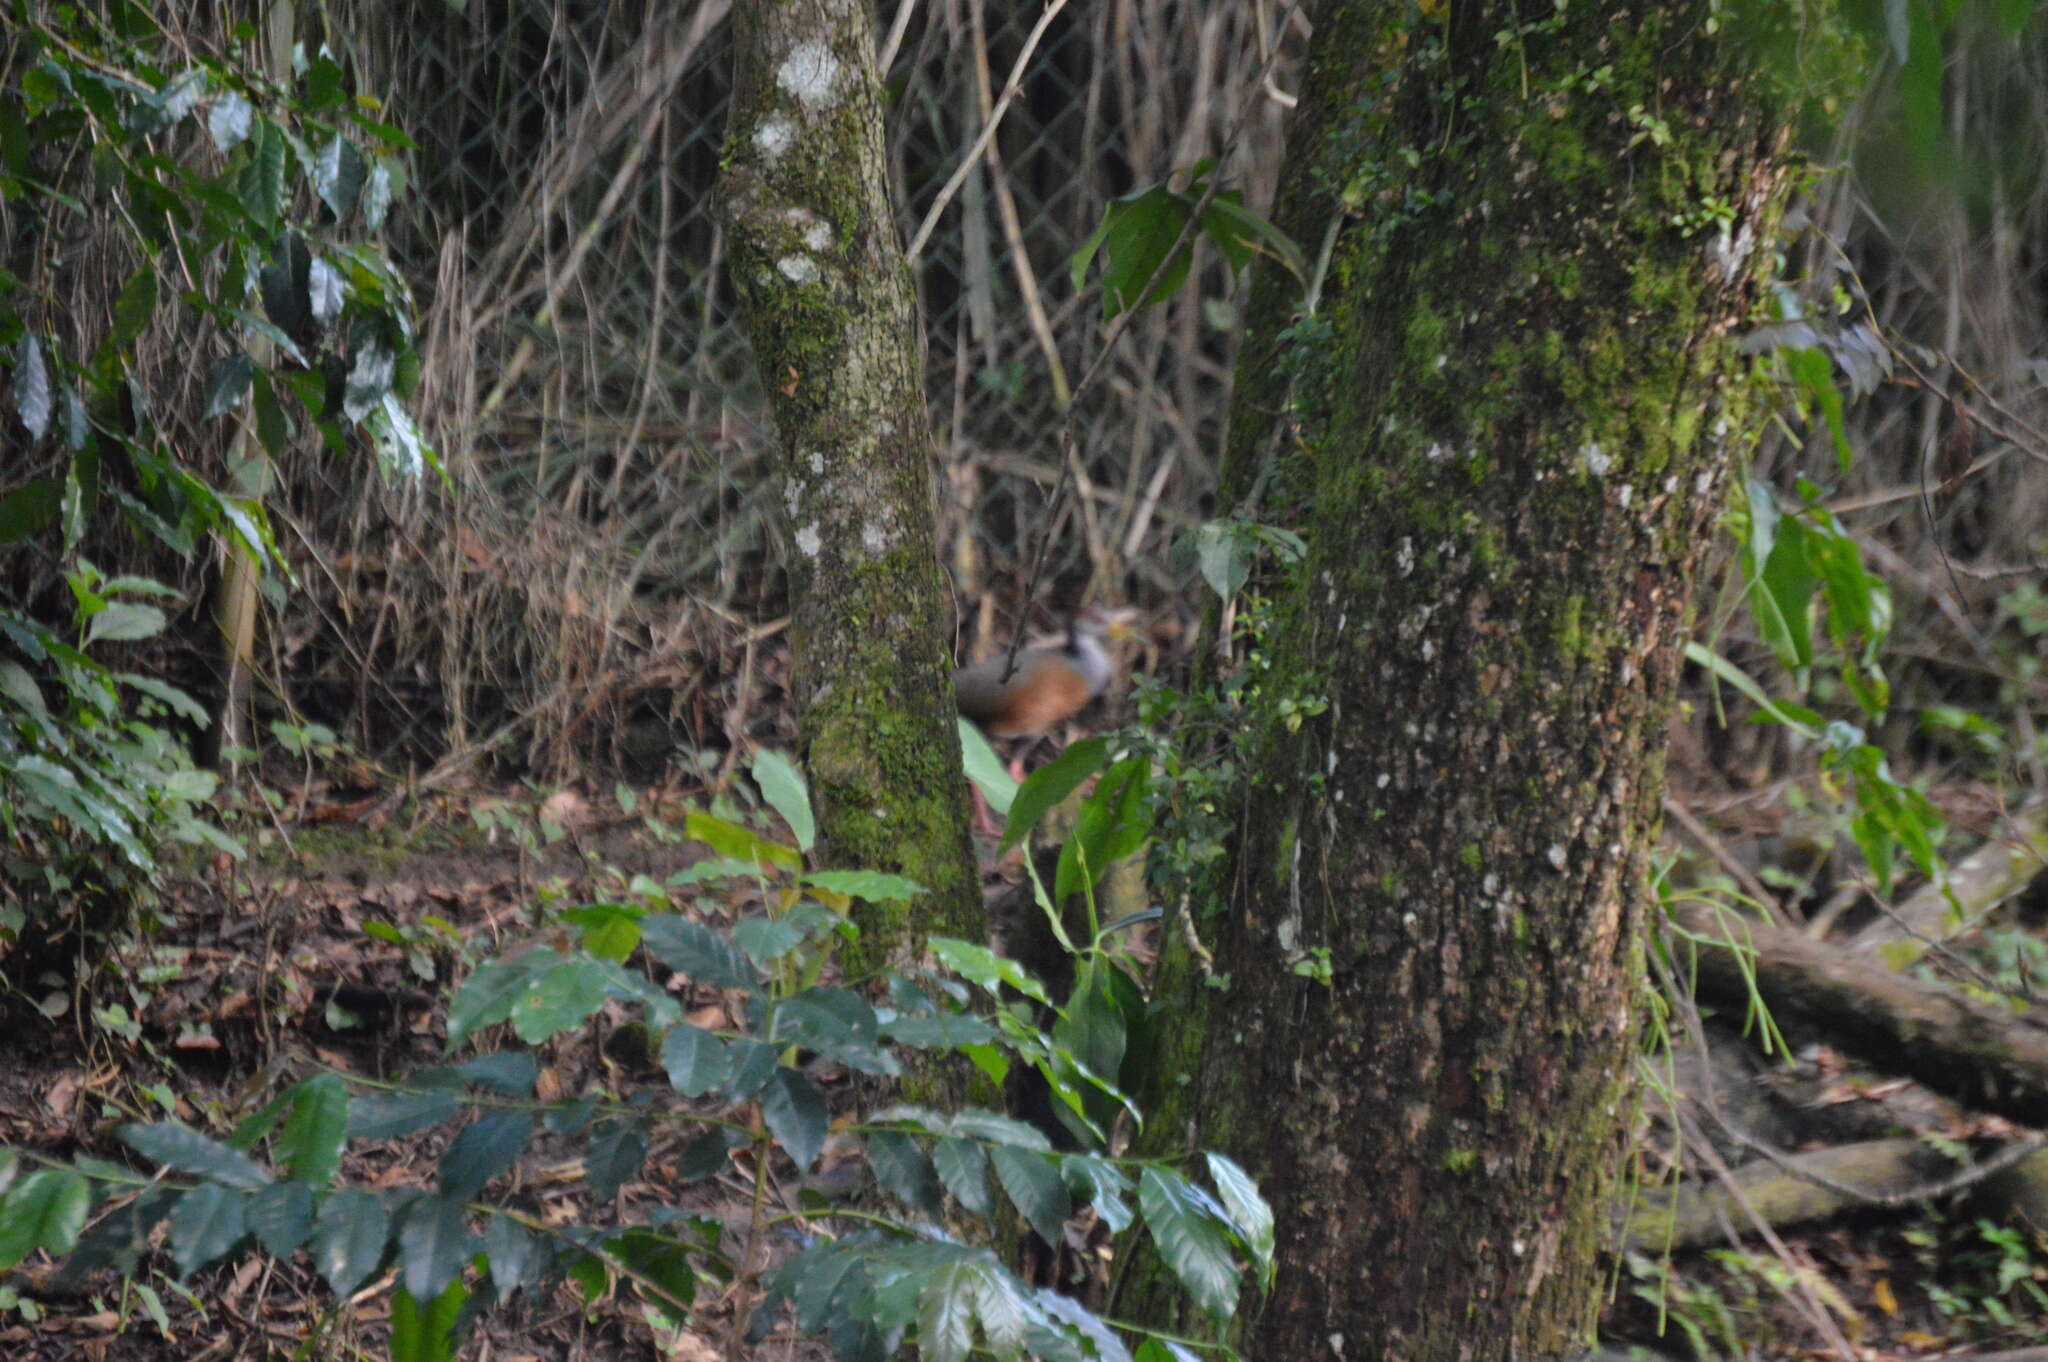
1985	1055
1701	1213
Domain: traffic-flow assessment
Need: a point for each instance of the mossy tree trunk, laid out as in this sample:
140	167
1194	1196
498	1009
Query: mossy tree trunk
829	309
1504	437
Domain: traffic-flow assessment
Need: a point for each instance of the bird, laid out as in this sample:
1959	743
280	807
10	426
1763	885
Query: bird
1049	683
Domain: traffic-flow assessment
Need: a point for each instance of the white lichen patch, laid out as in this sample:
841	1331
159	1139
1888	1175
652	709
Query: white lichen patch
817	463
1404	557
874	536
799	269
773	138
809	541
1596	460
810	75
1556	856
818	236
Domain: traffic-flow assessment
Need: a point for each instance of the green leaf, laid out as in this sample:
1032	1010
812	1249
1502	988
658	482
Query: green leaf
753	1063
338	174
261	181
46	1210
741	844
782	785
1113	823
998	1129
963	1167
280	1216
489	994
206	1223
942	1031
1253	1216
486	1147
765	940
1051	783
986	769
945	1313
426	1335
433	1244
316	1130
1101	1184
132	309
378	192
707	1154
659	1267
29	508
795	1112
228	120
1138	231
509	1073
901	1166
122	621
992	972
190	1152
611	931
870	886
1190	1241
515	1257
560	997
32	400
349	1236
1034	1186
325	291
227	383
696	952
618	1148
695	1060
391	1115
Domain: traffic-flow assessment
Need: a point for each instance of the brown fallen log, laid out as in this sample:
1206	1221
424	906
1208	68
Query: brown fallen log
1985	1055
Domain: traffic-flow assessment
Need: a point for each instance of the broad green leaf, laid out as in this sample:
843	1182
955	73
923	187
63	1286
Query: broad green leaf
227	383
190	1152
986	769
280	1216
207	1222
618	1148
696	952
945	1313
1224	554
1113	823
1044	788
826	1019
486	1147
228	121
349	1236
1034	1185
782	785
29	508
434	1244
979	965
491	991
1253	1216
338	174
659	1268
1102	1185
316	1130
1191	1242
509	1073
766	940
963	1167
901	1166
325	290
707	1154
47	1211
515	1258
426	1335
32	399
795	1112
611	931
741	844
132	309
752	1064
944	1030
378	192
122	621
999	1129
387	1116
870	886
695	1060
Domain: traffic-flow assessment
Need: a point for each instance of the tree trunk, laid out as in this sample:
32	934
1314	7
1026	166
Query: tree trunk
836	339
1504	438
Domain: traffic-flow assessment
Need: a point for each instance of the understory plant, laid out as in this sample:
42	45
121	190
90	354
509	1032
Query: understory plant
919	1259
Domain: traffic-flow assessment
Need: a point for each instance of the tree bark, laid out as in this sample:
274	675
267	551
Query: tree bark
830	313
1504	437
